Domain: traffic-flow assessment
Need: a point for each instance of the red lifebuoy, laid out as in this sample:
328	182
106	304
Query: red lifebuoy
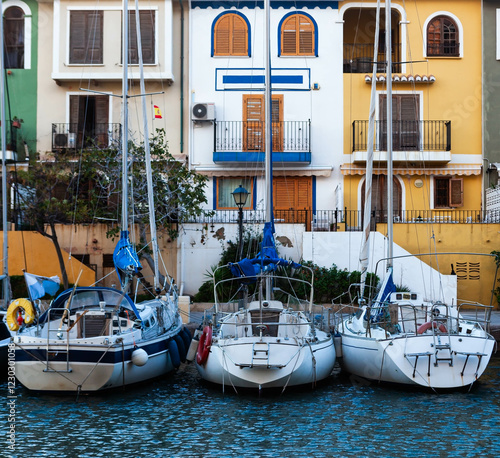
204	345
424	327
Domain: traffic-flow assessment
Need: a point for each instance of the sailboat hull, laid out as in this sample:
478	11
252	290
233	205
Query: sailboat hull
90	367
413	360
269	362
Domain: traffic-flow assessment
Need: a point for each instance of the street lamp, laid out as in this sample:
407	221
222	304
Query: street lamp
240	195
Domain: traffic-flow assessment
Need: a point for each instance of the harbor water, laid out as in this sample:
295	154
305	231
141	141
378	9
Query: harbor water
179	416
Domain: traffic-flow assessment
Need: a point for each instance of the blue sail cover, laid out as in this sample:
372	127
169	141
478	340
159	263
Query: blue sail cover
267	259
125	258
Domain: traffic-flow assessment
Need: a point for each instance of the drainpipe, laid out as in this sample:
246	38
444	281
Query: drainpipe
182	79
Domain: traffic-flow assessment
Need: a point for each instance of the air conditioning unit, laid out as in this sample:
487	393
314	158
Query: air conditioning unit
203	112
63	141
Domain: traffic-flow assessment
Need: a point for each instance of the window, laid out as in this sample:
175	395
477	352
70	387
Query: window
89	117
230	36
85	37
147	24
298	36
254	122
226	186
448	192
14	37
442	37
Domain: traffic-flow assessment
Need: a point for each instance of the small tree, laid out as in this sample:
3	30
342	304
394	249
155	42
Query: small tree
48	197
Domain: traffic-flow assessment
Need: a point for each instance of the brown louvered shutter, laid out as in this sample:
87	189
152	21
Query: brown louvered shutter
297	36
239	38
456	192
306	36
289	36
85	37
253	122
222	36
101	119
147	23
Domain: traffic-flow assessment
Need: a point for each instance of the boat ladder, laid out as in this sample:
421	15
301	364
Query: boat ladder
442	343
260	354
57	349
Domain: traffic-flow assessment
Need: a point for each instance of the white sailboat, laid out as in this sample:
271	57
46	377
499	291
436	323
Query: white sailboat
264	336
399	337
96	338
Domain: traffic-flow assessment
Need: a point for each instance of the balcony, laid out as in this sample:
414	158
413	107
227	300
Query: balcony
411	140
244	141
358	58
72	136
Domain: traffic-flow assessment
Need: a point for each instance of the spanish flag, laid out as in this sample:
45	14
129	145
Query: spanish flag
157	112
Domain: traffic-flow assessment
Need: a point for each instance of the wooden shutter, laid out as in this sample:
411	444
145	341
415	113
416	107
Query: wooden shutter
456	192
85	37
253	122
292	193
147	24
289	36
231	36
277	122
405	122
101	120
306	35
297	36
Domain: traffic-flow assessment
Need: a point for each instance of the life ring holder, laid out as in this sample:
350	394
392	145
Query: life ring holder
16	307
426	326
204	345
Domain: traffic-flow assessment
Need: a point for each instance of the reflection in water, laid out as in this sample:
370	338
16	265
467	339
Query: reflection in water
181	417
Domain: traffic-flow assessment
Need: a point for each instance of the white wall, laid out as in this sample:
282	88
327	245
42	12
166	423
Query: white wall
343	248
200	249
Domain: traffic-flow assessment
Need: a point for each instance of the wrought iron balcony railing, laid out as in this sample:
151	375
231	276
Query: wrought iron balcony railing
406	135
358	58
72	136
245	140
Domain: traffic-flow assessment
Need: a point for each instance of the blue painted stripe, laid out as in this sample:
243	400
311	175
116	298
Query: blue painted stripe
259	79
215	4
239	156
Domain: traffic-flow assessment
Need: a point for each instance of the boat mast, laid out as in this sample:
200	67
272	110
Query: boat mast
125	119
390	202
147	151
5	275
268	129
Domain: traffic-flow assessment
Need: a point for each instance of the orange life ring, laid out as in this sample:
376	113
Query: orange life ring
204	345
426	326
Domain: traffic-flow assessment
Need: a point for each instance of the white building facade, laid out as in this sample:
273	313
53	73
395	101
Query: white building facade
226	79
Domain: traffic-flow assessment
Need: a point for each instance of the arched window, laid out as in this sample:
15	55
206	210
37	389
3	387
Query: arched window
442	37
14	37
230	35
298	36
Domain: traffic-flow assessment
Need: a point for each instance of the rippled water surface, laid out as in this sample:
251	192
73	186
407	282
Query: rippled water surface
182	417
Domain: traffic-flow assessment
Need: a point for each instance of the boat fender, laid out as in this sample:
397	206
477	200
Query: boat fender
181	347
174	353
186	337
193	347
140	357
204	345
426	326
14	315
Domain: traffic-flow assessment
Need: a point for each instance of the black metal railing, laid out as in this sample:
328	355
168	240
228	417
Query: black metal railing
349	220
406	135
249	136
71	136
358	58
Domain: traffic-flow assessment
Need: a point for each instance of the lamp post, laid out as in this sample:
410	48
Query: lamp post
240	195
